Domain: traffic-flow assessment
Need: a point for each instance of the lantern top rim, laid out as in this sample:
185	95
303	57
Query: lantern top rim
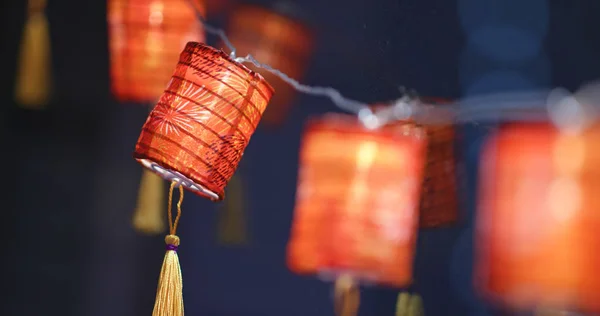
204	49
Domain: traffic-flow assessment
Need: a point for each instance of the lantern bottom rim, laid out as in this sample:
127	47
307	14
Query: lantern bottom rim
172	175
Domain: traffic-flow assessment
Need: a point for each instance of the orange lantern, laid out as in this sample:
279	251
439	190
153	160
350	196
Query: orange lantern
439	199
277	39
146	37
195	137
201	125
538	227
357	201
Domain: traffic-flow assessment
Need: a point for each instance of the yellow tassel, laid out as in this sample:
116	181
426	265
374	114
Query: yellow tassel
415	307
347	296
409	305
148	217
33	84
169	295
402	304
232	219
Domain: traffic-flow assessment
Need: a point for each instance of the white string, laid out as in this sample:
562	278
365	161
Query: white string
515	106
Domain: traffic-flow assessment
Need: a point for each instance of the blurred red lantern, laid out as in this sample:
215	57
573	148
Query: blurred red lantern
145	39
538	228
201	125
357	201
276	38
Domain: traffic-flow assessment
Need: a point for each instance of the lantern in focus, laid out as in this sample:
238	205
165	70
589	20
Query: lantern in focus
538	227
439	204
145	39
357	202
277	38
195	137
201	125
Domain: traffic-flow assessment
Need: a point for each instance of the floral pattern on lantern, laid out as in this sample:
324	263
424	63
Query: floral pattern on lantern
145	39
199	129
357	201
538	223
276	39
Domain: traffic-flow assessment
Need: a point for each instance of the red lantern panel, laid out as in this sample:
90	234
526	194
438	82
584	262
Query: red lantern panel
201	125
539	227
146	37
439	199
277	40
357	200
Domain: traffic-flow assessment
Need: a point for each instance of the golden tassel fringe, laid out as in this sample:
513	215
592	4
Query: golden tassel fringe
409	305
148	216
415	308
33	84
169	294
402	304
232	220
347	296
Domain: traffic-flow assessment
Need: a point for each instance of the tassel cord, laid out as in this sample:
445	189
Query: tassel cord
173	225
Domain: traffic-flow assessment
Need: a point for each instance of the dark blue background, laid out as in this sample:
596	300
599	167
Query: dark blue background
73	184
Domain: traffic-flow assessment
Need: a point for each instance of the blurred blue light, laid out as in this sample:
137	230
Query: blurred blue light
505	43
501	80
473	65
532	15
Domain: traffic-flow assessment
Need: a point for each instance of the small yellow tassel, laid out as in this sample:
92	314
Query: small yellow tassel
415	307
347	296
33	82
148	216
402	304
169	295
232	220
409	305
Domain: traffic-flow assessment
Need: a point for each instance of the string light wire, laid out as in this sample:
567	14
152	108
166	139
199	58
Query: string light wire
514	106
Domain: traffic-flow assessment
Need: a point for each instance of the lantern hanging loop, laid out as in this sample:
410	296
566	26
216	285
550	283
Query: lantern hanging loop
173	224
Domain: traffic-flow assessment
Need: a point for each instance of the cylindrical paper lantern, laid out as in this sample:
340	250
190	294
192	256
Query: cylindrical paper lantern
278	38
357	202
145	39
202	123
538	230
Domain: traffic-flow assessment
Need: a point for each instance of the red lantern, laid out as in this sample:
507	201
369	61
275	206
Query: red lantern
146	37
357	201
538	226
201	125
275	39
